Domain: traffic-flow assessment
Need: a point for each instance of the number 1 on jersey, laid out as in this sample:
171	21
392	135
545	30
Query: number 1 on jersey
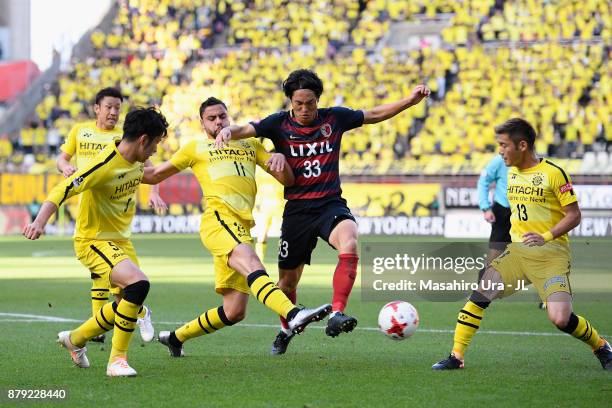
522	212
239	167
127	205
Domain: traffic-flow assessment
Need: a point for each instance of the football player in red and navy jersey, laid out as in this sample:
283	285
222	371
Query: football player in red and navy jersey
310	138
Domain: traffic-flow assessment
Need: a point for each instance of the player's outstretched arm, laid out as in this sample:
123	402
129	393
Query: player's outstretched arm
64	166
157	174
234	132
155	200
386	111
280	169
35	229
570	221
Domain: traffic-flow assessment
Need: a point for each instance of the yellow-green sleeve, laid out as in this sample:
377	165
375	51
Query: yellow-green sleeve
561	184
184	157
84	179
69	146
261	155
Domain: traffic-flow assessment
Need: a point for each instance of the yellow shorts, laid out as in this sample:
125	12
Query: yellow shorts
100	257
546	267
220	232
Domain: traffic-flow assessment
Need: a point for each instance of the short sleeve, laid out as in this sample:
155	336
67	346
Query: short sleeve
69	146
348	118
184	157
269	127
561	185
261	155
84	179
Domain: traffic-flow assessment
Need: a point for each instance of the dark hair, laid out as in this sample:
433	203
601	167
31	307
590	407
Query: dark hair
302	79
212	101
112	92
518	129
144	121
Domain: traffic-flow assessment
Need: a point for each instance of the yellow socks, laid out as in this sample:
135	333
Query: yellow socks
268	293
207	323
99	296
125	322
101	322
580	328
468	322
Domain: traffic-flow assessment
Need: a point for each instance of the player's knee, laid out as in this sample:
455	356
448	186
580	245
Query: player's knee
570	325
349	246
136	292
234	314
245	255
560	319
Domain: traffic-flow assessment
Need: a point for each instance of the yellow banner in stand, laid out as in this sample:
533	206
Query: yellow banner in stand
24	189
384	199
364	199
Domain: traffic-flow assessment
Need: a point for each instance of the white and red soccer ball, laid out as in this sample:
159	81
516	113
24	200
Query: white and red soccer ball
398	320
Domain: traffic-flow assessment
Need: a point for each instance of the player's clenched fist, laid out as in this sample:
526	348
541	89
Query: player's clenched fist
32	231
68	171
418	93
223	138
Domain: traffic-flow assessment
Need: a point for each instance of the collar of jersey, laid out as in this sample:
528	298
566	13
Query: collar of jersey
536	167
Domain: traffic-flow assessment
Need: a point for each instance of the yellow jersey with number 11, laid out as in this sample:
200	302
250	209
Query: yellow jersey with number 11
227	175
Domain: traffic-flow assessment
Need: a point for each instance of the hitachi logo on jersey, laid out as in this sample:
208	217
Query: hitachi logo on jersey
90	146
310	149
126	185
527	190
220	152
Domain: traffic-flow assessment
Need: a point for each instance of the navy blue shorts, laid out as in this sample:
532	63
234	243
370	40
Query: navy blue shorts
304	221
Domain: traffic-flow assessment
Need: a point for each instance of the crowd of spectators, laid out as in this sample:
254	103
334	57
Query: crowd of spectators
159	52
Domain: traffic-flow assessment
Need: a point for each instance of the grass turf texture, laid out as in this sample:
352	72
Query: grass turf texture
233	368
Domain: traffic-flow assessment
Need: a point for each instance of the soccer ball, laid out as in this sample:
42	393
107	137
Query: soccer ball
398	320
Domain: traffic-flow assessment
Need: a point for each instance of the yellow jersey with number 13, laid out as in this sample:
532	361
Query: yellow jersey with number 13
537	196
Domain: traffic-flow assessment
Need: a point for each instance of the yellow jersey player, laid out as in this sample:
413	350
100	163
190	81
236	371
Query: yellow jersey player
84	142
269	204
227	178
544	209
108	186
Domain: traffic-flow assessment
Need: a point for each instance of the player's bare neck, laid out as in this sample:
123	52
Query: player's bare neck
102	127
301	122
528	162
128	151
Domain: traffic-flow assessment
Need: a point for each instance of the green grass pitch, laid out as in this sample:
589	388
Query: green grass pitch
517	359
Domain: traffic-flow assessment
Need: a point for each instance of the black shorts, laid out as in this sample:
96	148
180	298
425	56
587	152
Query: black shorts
500	229
304	221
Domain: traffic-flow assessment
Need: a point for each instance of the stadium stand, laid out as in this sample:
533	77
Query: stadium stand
159	52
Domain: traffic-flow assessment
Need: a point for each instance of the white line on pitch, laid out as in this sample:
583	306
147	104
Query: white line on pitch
28	318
